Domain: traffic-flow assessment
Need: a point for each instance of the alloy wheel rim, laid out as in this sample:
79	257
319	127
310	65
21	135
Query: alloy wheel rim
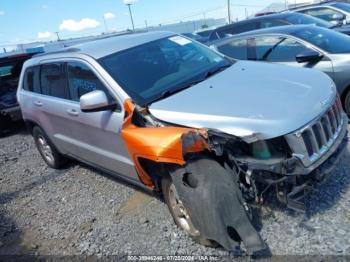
181	213
45	149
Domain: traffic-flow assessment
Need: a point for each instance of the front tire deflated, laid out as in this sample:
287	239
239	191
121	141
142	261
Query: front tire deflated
210	207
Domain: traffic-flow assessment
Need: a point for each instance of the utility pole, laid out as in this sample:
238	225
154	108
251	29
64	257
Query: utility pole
229	11
146	25
286	4
58	37
132	19
105	23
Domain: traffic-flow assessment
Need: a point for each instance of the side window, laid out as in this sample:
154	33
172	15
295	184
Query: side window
53	80
82	81
244	27
271	23
236	49
278	49
31	80
324	13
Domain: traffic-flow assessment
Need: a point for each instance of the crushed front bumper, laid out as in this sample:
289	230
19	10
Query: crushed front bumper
291	178
294	198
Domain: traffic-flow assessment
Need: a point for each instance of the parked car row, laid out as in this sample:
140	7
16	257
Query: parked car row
293	38
210	133
303	46
282	19
337	13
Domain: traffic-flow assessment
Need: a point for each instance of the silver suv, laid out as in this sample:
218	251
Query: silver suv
214	135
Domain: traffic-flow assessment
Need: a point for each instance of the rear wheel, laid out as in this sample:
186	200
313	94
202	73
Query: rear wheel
47	150
180	214
347	104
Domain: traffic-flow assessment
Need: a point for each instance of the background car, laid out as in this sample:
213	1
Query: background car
281	19
10	69
304	46
195	37
334	12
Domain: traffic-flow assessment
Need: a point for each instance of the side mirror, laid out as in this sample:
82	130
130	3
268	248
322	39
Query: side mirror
95	101
309	56
338	17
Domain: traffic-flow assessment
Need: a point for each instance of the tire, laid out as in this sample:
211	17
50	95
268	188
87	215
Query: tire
347	104
167	189
47	150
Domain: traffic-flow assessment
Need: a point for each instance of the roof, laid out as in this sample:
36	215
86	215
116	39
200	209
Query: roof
104	47
326	3
275	15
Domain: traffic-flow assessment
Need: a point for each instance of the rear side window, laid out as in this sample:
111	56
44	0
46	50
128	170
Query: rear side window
271	23
82	81
245	27
31	80
53	80
324	13
236	49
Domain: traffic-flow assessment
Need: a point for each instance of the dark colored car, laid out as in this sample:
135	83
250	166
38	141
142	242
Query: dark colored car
10	69
281	19
264	13
302	46
195	36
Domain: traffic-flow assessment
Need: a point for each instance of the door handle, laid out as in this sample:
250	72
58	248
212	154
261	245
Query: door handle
38	103
72	112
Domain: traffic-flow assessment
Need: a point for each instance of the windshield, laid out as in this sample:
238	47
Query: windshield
164	66
297	19
205	33
328	40
5	70
342	6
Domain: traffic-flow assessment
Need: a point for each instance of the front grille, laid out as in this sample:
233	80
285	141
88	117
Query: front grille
312	141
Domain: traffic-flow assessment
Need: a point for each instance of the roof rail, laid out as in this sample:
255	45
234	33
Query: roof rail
66	50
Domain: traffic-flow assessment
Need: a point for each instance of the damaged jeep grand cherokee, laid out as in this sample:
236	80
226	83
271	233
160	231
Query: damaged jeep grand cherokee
212	134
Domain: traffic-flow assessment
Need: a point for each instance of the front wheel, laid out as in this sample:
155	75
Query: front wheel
180	214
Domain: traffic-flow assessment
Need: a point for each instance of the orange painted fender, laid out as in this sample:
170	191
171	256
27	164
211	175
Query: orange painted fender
159	144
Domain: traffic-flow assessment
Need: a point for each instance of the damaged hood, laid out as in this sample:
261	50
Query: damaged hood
251	99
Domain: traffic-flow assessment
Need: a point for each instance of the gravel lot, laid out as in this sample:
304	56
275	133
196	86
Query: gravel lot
82	211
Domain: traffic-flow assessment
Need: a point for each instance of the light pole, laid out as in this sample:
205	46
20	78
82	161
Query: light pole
132	19
229	11
105	23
